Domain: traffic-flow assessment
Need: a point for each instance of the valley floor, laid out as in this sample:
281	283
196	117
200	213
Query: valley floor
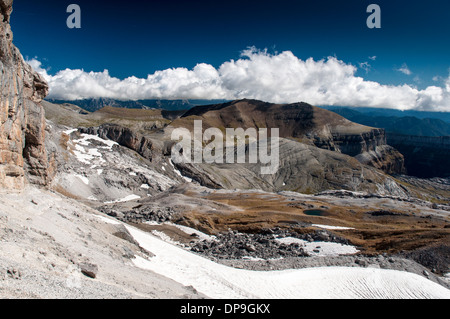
49	242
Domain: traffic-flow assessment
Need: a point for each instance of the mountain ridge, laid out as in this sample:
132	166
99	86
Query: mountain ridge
95	104
306	123
406	123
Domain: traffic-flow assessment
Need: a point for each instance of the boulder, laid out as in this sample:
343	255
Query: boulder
89	270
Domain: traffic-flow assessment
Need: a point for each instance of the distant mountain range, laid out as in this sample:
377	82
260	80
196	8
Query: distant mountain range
93	105
318	149
399	122
422	137
375	112
393	121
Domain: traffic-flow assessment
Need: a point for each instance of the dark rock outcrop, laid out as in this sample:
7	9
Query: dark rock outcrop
124	137
141	214
235	245
435	258
425	156
196	174
23	155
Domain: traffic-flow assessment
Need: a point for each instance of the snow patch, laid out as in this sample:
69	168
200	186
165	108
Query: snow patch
84	179
108	220
94	152
332	227
320	248
68	132
85	138
165	237
125	199
187	179
223	282
250	258
152	223
81	155
190	231
89	155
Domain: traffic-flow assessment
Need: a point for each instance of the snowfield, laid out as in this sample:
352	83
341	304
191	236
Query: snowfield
223	282
320	248
95	172
87	155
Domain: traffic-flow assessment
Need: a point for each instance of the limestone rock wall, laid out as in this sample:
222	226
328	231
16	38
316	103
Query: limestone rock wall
124	137
354	144
369	148
23	156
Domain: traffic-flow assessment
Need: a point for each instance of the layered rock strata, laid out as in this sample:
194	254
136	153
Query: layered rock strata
23	156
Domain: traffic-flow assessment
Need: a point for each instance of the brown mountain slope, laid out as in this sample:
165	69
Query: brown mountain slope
139	120
293	120
304	123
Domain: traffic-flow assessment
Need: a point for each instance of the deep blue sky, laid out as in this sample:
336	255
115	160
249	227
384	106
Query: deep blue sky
138	37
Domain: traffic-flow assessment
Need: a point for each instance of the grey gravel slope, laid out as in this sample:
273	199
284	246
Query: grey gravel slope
47	241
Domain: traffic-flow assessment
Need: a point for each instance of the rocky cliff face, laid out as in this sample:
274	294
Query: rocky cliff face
22	124
370	148
354	144
124	137
425	156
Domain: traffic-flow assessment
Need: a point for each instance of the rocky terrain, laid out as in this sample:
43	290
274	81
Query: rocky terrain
92	205
304	166
54	247
106	168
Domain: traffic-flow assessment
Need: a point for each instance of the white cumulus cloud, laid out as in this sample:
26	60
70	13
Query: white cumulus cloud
278	78
404	69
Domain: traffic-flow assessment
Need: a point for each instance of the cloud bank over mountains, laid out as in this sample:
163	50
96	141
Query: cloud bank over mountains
277	78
